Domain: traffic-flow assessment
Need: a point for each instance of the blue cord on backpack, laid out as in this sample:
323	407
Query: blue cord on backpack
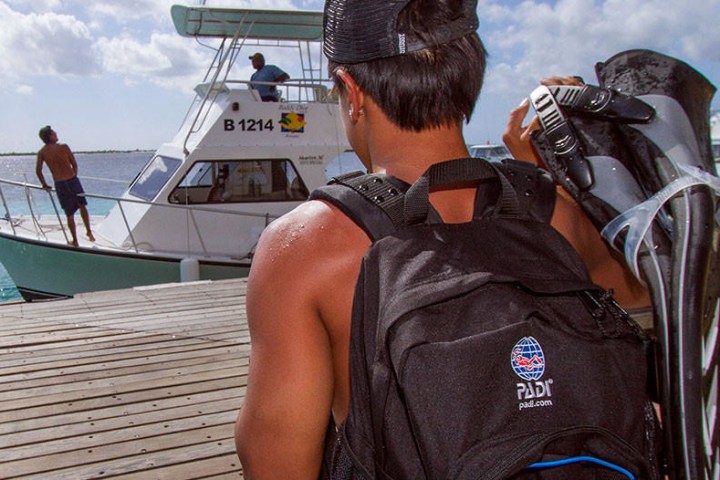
568	461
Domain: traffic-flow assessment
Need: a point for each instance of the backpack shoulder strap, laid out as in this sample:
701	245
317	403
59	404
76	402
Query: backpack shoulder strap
373	201
535	187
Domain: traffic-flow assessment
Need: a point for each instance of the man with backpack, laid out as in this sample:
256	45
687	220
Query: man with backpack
408	73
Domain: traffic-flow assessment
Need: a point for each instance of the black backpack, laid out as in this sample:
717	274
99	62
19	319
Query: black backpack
482	350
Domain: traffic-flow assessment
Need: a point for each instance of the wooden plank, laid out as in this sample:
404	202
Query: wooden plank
131	403
43	395
111	432
104	371
125	406
224	467
47	363
128	342
217	439
183	461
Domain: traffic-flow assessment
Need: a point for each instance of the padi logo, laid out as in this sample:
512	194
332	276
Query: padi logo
528	359
528	362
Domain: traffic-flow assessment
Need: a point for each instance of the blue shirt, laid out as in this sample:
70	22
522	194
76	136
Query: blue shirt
266	74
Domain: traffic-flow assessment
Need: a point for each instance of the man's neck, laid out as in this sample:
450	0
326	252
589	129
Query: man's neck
407	154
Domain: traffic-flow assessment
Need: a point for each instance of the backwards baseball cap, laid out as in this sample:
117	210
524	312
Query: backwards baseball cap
44	133
358	31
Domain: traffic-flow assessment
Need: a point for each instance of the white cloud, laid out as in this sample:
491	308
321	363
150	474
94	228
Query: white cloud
24	90
568	37
167	60
44	44
130	9
35	5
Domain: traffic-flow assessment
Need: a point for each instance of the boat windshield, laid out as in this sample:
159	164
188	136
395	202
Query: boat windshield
239	181
490	152
154	177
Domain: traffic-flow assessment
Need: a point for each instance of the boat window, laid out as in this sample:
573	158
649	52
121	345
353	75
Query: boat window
240	181
154	177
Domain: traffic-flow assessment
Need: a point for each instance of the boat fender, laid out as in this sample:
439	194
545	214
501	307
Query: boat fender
189	270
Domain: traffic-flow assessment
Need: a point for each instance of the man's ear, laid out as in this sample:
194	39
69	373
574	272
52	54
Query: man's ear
355	96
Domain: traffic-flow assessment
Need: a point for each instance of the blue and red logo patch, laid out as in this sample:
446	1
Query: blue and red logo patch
528	359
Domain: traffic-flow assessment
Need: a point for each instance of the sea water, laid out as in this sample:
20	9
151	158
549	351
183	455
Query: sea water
101	173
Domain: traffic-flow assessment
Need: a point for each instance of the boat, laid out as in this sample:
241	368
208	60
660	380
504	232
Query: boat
198	207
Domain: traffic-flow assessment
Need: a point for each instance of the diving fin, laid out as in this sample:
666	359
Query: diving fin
643	172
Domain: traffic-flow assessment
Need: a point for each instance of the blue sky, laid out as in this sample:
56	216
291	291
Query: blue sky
113	74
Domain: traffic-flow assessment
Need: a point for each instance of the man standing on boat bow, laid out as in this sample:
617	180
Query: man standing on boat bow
63	167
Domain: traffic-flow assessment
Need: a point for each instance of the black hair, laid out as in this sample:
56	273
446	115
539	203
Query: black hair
432	87
44	134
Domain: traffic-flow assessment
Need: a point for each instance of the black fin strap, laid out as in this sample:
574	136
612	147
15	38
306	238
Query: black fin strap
417	199
603	103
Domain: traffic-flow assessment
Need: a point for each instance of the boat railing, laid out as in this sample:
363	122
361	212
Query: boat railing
41	227
296	90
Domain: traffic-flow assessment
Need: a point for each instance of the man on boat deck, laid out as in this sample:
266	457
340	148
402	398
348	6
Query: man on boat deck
266	73
63	167
403	105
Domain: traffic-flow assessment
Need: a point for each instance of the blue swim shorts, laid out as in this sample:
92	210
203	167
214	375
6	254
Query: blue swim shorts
67	192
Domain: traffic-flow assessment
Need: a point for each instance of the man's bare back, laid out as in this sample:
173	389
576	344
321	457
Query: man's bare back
59	159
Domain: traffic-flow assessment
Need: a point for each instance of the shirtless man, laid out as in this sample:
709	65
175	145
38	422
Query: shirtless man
63	167
400	118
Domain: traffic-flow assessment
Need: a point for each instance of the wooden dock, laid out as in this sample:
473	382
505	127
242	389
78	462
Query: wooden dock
141	383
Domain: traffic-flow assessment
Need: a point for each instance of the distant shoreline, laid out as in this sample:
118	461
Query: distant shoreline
76	152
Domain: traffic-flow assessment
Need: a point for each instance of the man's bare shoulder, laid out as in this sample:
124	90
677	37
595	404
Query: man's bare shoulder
312	233
301	258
